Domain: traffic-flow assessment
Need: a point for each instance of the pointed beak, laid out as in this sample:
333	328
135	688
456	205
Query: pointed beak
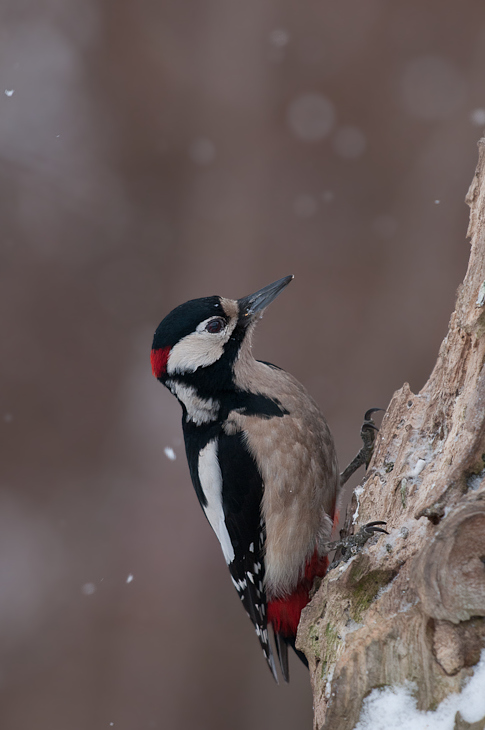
255	303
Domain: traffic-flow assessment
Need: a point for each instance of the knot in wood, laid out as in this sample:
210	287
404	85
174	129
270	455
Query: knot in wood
449	574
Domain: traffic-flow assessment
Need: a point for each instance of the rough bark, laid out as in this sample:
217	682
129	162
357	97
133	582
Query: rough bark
411	605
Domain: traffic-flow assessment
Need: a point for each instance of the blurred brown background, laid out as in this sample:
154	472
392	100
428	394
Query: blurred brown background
156	151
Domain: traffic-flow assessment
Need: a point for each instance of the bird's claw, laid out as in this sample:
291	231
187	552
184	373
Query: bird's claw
352	544
368	427
368	422
372	527
368	436
368	414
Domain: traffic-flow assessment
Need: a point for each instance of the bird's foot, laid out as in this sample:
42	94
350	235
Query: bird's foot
351	545
368	436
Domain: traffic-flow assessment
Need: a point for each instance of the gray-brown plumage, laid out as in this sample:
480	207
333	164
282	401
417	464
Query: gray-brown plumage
261	457
297	460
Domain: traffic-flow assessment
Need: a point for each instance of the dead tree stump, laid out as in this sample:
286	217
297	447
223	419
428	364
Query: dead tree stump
411	605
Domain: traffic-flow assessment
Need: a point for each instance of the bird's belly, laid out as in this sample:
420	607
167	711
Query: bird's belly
300	476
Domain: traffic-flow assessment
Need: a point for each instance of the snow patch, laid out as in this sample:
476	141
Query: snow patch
420	464
481	296
358	491
394	708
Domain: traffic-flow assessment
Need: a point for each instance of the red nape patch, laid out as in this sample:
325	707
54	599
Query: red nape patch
159	361
284	613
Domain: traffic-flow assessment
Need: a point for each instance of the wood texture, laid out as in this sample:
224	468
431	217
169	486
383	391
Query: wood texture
411	605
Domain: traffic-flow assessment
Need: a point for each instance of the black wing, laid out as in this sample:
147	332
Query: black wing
242	495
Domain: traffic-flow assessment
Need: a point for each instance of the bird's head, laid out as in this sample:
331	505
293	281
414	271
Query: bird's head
206	335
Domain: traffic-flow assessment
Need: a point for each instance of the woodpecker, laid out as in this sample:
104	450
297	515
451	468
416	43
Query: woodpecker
261	458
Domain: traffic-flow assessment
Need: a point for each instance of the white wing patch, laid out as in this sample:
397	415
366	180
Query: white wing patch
211	482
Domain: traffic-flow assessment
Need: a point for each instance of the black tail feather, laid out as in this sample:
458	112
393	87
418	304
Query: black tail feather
282	643
268	655
282	652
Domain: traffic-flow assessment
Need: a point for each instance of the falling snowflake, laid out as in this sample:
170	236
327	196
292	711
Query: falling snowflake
279	37
169	453
311	117
477	117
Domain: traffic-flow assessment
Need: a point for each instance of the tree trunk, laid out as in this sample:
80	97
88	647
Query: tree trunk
410	606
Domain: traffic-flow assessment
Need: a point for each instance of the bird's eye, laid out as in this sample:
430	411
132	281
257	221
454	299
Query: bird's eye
215	325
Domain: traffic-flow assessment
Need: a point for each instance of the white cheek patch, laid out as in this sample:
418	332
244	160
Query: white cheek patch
193	352
199	349
211	482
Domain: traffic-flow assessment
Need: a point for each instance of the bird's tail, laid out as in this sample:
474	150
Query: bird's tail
268	654
282	644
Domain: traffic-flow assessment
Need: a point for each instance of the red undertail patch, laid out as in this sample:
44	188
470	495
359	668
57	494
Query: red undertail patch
284	613
159	361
